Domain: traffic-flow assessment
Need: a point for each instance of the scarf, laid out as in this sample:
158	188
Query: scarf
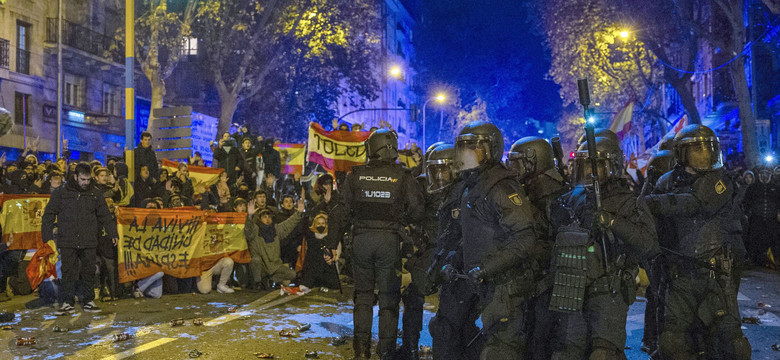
268	232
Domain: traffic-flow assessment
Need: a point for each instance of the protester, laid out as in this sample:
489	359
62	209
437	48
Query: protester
79	213
319	261
144	156
107	261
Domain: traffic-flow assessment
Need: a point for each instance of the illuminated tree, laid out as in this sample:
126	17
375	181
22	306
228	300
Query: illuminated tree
283	53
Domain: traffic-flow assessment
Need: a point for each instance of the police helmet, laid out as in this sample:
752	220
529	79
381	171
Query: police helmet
479	143
530	156
430	149
697	147
764	175
667	143
661	163
600	132
382	145
439	168
609	162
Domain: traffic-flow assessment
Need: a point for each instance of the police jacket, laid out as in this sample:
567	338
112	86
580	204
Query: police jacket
449	233
80	216
543	191
429	225
633	228
499	225
695	206
381	195
761	201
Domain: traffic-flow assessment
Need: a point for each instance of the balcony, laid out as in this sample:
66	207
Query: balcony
5	45
82	38
22	61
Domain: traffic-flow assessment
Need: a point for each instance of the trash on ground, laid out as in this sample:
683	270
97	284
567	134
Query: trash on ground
22	341
429	307
195	354
59	329
340	340
751	320
776	347
260	355
197	322
288	333
425	349
311	355
304	327
177	322
6	327
122	337
232	309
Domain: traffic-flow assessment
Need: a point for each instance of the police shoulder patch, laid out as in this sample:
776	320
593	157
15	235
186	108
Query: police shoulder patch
720	187
516	199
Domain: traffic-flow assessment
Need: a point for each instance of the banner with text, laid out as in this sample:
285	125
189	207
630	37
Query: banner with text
21	217
201	176
336	150
292	156
181	243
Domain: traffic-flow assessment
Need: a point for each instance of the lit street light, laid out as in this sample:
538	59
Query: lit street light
440	98
624	34
395	72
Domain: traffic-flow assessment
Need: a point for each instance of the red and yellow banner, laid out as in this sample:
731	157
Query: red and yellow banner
406	157
21	217
181	243
292	156
336	150
201	176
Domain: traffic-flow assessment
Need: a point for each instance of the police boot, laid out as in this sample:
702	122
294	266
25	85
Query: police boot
408	352
362	349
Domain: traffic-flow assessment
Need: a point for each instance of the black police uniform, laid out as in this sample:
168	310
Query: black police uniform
500	230
454	326
702	291
600	327
417	263
544	190
761	205
381	199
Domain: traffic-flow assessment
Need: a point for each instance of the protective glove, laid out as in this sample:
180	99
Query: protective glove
448	272
605	219
477	275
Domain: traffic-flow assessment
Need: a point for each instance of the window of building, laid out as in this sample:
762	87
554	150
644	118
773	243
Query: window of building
22	109
111	98
22	47
190	47
73	91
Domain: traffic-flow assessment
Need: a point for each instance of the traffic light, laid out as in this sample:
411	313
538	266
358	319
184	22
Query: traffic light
414	112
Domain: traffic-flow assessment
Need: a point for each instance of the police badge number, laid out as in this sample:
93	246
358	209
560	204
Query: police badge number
515	198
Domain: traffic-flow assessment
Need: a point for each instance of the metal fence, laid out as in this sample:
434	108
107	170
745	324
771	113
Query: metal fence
82	38
5	47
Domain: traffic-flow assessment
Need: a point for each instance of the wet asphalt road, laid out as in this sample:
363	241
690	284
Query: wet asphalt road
259	316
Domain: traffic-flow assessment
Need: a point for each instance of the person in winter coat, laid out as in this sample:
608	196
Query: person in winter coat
144	156
263	238
80	213
227	154
318	265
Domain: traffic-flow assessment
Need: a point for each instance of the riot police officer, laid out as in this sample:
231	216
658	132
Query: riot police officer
454	326
601	250
381	199
761	204
661	163
418	254
500	232
533	160
701	298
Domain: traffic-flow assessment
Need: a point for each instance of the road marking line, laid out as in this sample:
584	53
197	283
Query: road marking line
139	349
742	297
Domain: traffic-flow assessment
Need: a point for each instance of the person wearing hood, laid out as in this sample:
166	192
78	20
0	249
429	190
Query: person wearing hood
271	158
18	182
123	191
263	237
80	213
761	206
143	188
319	261
229	158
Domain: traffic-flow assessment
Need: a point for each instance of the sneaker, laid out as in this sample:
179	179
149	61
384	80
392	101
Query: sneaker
224	289
90	307
65	309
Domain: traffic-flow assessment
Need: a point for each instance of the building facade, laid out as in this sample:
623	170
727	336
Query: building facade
93	79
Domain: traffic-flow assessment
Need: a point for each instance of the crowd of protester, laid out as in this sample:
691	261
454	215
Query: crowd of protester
294	226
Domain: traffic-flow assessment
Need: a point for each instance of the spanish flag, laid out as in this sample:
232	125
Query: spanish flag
21	217
292	156
336	150
224	238
621	123
200	175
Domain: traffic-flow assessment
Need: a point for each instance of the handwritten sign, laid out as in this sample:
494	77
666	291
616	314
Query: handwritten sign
336	150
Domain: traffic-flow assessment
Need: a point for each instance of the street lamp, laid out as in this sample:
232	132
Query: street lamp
624	34
440	98
395	72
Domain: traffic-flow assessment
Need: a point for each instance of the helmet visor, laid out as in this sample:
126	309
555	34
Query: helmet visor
582	169
519	163
701	155
438	174
471	151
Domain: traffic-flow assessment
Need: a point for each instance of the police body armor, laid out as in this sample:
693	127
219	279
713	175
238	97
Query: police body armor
379	201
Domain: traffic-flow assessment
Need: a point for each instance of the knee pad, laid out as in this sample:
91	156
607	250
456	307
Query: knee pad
676	346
